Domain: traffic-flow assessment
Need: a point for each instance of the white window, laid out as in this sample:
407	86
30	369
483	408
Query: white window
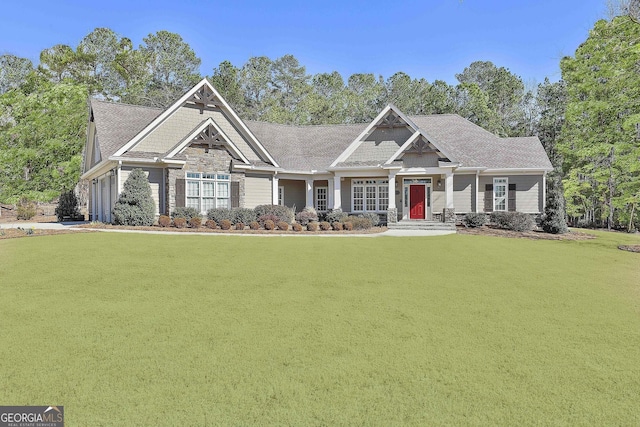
281	195
500	186
371	195
321	199
208	190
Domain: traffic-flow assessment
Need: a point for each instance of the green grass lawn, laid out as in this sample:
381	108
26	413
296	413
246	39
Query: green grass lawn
132	329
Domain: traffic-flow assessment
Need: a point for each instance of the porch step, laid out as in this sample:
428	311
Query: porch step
422	225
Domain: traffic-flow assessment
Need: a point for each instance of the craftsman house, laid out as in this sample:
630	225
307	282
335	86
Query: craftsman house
199	153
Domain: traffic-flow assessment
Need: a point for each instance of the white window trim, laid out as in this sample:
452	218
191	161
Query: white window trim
281	195
215	181
499	181
378	183
326	198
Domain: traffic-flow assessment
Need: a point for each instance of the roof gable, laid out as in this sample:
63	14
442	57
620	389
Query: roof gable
202	96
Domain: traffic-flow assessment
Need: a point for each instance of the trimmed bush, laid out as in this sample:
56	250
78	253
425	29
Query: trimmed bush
225	224
335	216
269	225
180	222
516	221
26	209
135	206
243	215
347	225
306	216
67	206
554	219
337	226
359	222
474	219
239	225
373	217
264	218
312	226
164	221
283	226
195	222
219	214
283	213
186	213
254	225
325	226
211	224
297	227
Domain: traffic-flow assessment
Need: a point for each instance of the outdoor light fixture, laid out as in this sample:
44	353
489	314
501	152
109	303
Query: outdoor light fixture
439	183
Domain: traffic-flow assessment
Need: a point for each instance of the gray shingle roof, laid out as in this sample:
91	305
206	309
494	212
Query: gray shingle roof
117	124
306	148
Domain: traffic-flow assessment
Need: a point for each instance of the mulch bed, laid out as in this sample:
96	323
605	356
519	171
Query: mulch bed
630	248
532	235
101	226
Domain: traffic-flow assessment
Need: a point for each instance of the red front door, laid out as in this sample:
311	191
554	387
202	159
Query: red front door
416	202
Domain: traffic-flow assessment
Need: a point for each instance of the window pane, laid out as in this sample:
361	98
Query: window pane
223	177
207	189
193	188
383	194
223	203
371	198
208	176
208	203
193	175
193	202
358	196
223	189
321	198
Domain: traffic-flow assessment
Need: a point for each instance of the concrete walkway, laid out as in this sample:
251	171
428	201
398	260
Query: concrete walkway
70	226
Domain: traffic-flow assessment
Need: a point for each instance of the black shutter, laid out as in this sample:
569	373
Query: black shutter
180	185
512	197
235	194
488	198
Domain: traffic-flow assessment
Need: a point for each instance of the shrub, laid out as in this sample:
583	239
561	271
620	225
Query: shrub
585	223
135	206
26	209
269	225
312	226
297	227
264	218
225	224
325	226
283	213
554	219
211	224
516	221
474	219
67	206
186	213
239	225
243	215
359	222
335	216
373	217
254	225
179	222
218	214
337	226
347	225
164	221
306	216
282	226
195	222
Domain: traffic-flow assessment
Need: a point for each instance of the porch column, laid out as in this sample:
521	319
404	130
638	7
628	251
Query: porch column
274	190
330	193
392	211
309	185
477	189
337	193
448	187
544	191
94	200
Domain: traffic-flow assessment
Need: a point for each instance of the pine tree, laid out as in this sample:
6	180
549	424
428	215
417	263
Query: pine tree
135	206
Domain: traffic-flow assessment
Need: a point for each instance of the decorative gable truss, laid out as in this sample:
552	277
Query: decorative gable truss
420	144
208	135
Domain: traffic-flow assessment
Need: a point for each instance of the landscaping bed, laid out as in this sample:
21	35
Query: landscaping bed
630	248
533	235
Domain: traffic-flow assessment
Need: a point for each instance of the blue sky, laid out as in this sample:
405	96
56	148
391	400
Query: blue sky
432	39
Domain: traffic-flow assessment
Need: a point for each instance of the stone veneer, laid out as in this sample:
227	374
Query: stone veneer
449	215
217	160
392	215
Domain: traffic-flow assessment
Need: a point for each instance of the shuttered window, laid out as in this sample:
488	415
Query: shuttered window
500	186
205	191
371	195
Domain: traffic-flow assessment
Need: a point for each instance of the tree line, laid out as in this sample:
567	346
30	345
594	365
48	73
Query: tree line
594	107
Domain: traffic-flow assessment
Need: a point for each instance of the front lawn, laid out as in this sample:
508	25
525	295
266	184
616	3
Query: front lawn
133	329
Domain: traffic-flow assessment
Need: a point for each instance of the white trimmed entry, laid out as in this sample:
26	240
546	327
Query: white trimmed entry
416	198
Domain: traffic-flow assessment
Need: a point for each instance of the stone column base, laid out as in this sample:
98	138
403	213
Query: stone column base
392	215
448	215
